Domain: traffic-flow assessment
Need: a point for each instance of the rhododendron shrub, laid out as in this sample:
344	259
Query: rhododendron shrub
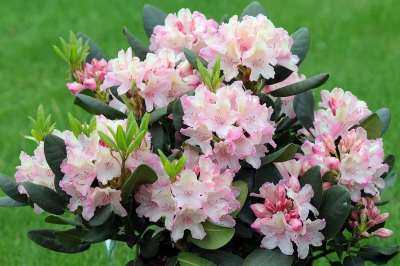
205	149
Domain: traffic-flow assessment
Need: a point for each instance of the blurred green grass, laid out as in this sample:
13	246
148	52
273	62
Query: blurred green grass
357	42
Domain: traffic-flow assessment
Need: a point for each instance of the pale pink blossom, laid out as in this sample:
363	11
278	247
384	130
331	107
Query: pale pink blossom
200	192
182	30
122	72
164	77
310	236
232	121
253	42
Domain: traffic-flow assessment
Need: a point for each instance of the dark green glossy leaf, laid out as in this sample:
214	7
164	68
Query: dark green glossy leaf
10	188
253	9
152	17
101	216
9	202
284	154
217	236
159	138
142	175
136	262
191	259
137	46
94	106
281	73
353	261
49	239
303	106
266	173
313	177
150	243
53	219
385	117
373	125
267	257
301	43
157	114
45	198
379	255
301	86
335	209
223	258
55	153
94	51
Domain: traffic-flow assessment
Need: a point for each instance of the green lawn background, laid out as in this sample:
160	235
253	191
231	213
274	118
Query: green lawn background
357	42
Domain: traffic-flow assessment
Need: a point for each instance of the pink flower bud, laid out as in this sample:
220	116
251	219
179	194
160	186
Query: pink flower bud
296	225
75	87
90	83
383	233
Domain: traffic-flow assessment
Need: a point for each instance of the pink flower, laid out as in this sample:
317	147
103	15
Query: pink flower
188	219
90	77
108	165
164	77
253	42
310	236
283	217
122	72
100	197
188	191
340	111
182	30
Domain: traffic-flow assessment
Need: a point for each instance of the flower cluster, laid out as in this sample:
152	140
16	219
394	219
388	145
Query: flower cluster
342	147
198	194
159	79
183	30
90	77
283	216
252	42
366	219
228	125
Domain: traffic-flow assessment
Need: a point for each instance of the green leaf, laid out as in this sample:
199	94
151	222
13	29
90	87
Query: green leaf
101	216
223	258
45	198
379	255
385	117
94	50
313	178
10	188
150	243
301	86
94	106
353	261
9	202
285	154
100	233
137	262
193	58
303	106
373	125
50	240
53	219
137	46
142	175
301	43
267	257
253	9
244	192
157	114
190	259
152	17
159	138
55	153
121	139
266	173
216	236
335	209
